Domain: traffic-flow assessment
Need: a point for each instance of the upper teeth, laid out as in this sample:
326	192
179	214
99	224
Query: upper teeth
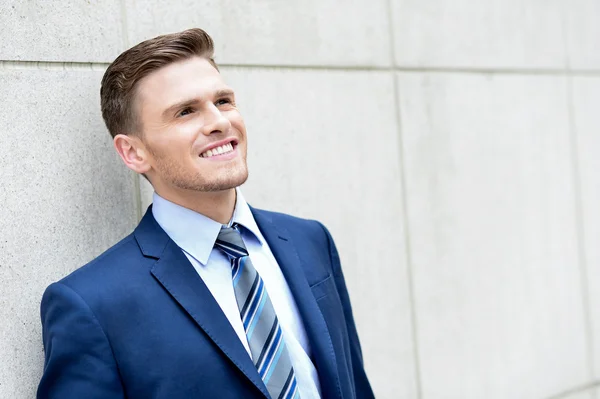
218	150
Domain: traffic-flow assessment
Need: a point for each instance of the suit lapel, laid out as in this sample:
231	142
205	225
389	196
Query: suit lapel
177	275
293	269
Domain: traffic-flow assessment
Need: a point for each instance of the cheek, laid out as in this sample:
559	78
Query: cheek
237	122
178	139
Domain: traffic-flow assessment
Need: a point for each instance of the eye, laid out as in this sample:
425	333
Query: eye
223	101
185	111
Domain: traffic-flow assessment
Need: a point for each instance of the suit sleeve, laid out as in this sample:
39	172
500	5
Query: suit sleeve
79	362
363	387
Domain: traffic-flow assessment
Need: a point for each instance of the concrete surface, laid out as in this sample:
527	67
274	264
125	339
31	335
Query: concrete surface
491	203
315	32
511	34
450	147
586	120
65	198
55	30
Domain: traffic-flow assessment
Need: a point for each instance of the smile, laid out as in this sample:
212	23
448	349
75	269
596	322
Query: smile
223	149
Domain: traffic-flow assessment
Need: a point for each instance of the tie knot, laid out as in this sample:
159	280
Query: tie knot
230	241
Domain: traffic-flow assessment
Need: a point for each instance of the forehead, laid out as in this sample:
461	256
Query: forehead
179	81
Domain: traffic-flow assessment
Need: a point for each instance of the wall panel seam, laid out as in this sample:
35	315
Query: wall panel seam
407	243
577	188
137	190
580	231
68	65
53	65
124	24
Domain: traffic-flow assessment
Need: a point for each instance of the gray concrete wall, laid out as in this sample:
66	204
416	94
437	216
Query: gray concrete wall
451	146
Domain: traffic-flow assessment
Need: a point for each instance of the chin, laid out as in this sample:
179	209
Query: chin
202	180
226	182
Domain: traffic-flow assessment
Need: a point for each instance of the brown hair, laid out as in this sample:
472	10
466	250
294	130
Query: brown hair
118	88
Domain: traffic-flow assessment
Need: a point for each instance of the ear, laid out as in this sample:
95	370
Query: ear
133	153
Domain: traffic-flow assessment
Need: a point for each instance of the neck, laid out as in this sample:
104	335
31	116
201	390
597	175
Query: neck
217	205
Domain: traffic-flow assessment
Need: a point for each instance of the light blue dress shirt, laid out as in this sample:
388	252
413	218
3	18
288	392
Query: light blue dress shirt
196	234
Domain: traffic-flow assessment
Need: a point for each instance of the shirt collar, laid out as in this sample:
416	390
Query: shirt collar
195	233
243	216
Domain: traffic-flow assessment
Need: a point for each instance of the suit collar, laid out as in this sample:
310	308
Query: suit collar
177	275
150	237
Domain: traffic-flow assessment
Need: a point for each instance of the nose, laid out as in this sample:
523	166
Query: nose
214	121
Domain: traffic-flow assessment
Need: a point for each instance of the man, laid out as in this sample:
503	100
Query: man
208	297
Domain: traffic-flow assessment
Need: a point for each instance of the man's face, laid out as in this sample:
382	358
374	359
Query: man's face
194	134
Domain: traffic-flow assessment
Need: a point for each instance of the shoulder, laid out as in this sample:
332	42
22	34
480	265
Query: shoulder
290	222
300	229
110	269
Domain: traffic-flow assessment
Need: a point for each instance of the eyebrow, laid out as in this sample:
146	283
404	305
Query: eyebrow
194	101
224	93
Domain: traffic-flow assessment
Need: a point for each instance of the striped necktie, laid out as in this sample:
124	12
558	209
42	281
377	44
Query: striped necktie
265	338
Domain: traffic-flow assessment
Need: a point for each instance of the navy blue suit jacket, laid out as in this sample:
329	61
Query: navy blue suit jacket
138	321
